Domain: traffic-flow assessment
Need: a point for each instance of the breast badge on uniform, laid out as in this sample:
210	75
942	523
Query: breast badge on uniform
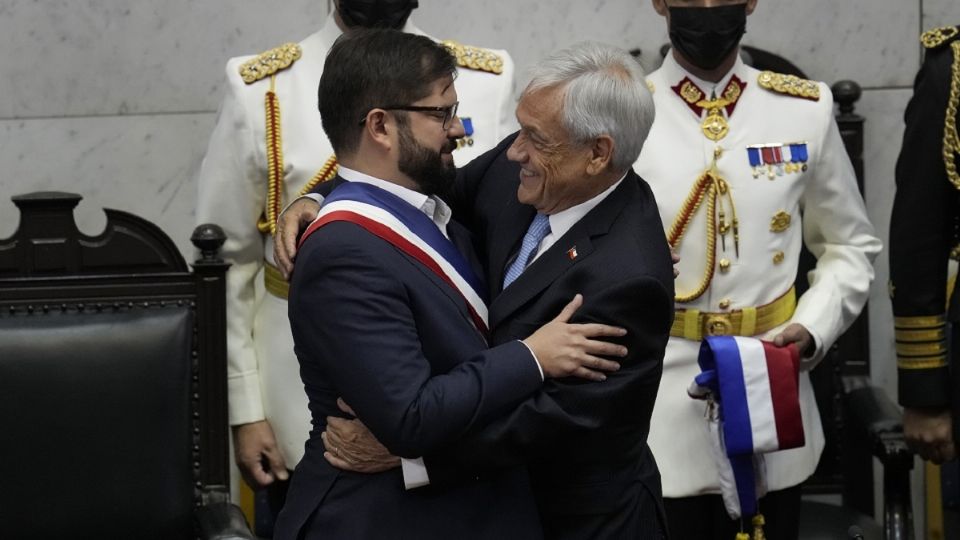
714	126
780	222
777	159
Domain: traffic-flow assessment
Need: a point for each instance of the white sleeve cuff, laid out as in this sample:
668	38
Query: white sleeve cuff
535	360
414	473
809	362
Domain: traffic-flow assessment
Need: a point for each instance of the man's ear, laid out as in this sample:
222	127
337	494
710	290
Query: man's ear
751	5
378	126
661	7
601	154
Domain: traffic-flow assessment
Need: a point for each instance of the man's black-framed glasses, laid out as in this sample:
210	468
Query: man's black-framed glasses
449	112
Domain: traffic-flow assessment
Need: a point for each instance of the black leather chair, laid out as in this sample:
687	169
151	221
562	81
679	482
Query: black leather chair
112	381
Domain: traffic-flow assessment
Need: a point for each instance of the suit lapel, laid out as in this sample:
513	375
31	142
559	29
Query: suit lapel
559	257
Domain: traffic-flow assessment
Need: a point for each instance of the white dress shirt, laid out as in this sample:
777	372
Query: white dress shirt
564	220
431	205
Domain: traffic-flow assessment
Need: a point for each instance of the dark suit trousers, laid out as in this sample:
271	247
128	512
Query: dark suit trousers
267	503
635	519
705	518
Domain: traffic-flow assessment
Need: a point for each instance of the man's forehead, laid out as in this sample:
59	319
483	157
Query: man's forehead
539	111
445	88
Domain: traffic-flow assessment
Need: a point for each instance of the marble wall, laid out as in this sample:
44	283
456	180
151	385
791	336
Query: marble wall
116	100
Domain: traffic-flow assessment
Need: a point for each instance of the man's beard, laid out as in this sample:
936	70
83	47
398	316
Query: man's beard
425	166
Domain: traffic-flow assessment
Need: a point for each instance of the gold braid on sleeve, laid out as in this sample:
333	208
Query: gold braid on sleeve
951	141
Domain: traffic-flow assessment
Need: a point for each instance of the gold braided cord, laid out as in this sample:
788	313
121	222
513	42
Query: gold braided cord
274	145
328	171
689	207
951	141
712	187
705	187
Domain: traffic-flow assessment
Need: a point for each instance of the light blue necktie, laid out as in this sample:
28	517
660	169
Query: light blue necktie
539	229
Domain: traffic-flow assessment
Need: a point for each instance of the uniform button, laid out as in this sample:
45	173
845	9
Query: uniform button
724	265
725	303
778	257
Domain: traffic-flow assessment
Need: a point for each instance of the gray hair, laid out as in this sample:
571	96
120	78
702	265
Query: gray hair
605	93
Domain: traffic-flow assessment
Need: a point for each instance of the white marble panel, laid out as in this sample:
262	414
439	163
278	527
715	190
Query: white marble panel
871	41
883	110
99	57
940	13
141	164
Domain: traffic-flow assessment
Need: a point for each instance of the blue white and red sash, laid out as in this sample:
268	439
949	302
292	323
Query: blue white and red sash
392	219
755	385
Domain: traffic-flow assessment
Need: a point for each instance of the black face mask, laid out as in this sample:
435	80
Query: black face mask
376	13
707	36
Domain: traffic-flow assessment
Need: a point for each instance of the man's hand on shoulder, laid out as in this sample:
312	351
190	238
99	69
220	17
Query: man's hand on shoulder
291	221
565	350
257	454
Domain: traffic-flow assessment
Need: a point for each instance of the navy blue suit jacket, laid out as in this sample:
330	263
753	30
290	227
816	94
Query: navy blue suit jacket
378	328
584	442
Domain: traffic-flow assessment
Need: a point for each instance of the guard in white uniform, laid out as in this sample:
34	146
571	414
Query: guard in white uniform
269	146
744	169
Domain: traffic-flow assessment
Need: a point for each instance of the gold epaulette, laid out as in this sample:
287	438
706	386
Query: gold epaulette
921	342
936	37
475	57
951	138
789	85
270	62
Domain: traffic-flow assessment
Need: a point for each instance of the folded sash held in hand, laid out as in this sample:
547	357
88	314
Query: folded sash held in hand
753	387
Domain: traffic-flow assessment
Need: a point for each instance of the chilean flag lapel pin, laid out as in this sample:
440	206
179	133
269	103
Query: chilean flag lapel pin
572	253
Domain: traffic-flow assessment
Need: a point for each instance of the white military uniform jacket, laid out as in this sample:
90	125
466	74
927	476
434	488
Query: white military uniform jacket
263	373
768	206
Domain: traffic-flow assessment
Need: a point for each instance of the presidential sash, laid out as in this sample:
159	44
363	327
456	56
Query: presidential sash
754	387
392	219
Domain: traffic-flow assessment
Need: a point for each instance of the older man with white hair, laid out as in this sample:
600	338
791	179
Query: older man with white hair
557	210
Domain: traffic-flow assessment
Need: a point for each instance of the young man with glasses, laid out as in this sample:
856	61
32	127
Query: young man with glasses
268	147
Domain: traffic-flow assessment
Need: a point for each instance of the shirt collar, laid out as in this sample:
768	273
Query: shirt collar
564	220
431	205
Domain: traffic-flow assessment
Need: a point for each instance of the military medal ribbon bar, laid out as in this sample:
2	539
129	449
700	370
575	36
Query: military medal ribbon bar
776	159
